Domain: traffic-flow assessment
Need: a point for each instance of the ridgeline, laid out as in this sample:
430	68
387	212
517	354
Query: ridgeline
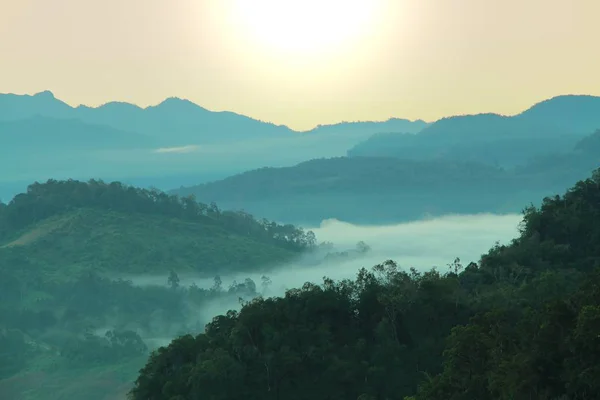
522	323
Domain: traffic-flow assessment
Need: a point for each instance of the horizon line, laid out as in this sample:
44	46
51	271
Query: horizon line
317	126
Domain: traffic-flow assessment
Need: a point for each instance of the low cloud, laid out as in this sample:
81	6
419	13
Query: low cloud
181	149
424	245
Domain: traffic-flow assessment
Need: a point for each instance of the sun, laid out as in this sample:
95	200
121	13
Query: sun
304	27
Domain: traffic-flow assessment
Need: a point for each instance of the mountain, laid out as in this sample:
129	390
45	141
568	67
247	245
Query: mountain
43	137
520	323
14	106
569	113
174	121
403	189
347	188
546	128
178	122
94	276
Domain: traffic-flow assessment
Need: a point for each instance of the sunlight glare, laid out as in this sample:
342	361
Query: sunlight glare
304	26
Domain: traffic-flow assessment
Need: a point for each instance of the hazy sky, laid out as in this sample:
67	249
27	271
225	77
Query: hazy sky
304	62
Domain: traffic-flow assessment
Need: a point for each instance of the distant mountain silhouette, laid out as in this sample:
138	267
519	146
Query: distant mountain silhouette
43	137
546	128
174	121
13	106
177	122
578	114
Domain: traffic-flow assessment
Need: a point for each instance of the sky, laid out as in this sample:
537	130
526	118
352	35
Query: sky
303	63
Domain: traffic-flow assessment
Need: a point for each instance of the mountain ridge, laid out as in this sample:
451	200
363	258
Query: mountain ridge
547	127
49	98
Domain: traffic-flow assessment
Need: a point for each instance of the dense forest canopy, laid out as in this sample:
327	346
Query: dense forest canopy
522	323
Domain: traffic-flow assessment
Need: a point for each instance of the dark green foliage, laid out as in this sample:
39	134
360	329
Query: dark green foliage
113	347
524	323
65	309
56	197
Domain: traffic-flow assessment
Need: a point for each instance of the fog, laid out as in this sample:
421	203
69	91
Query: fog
123	164
425	244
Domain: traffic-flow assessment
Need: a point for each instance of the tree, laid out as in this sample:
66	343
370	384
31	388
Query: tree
173	280
362	247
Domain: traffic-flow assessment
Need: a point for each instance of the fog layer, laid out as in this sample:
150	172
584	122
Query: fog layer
424	245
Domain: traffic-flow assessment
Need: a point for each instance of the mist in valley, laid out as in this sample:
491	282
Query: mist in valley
423	245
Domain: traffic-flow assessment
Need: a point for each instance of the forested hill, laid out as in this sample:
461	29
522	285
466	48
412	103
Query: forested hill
522	323
94	274
122	228
346	189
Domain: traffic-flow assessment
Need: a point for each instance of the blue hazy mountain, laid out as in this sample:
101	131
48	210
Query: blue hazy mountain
371	190
14	106
42	137
576	114
174	122
179	122
546	128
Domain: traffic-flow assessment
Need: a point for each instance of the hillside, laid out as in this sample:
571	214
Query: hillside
547	127
522	323
62	225
347	188
569	113
119	243
92	278
589	144
62	135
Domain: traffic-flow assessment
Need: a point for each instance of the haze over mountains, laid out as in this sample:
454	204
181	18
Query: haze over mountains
551	126
178	143
176	139
481	163
93	275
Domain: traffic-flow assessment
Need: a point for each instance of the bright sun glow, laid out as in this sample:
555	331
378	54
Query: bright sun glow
304	26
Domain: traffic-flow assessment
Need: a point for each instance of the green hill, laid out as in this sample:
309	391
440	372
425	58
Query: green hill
69	326
523	323
116	242
72	226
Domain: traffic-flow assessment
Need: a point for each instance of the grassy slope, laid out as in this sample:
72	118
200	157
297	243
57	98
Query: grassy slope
61	383
115	242
63	230
64	246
